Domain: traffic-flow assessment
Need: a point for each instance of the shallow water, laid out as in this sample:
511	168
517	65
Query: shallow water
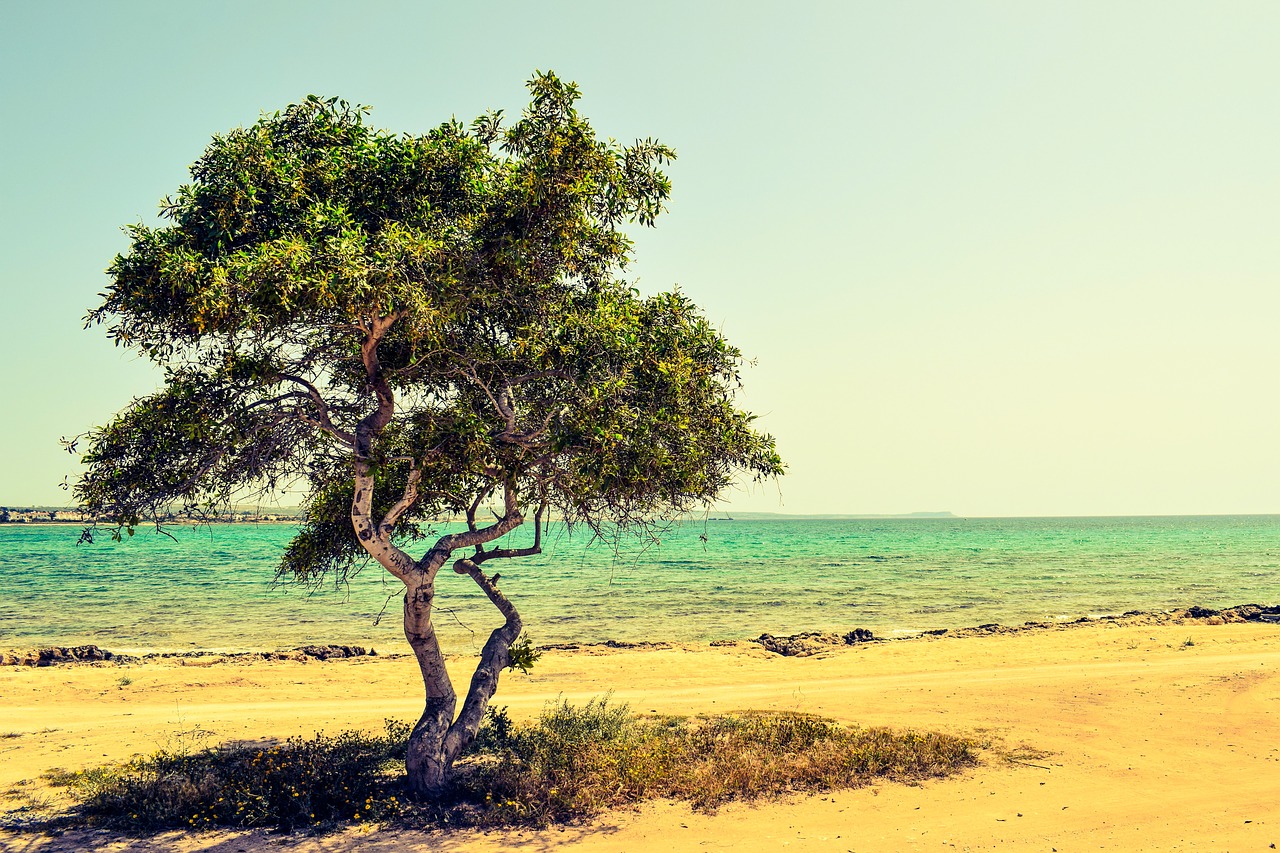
212	588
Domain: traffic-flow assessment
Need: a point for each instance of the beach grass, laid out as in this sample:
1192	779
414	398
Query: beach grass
577	761
568	764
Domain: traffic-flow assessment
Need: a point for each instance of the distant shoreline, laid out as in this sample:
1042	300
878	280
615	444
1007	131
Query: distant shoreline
285	517
177	522
795	645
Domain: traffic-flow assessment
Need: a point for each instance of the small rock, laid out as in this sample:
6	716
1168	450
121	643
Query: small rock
56	654
328	652
798	645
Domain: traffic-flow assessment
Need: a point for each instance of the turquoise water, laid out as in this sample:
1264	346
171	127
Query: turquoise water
212	588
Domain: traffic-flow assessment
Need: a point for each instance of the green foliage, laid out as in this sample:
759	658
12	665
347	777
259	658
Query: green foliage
300	782
569	763
522	655
576	761
511	351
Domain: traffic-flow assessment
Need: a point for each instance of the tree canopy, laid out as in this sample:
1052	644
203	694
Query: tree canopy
404	327
513	345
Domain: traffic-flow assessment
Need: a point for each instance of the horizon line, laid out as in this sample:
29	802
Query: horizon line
728	514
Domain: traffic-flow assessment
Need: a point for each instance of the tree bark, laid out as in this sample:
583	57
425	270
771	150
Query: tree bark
427	763
438	739
494	658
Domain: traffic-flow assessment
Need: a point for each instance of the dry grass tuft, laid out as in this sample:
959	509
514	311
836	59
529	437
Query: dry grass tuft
572	762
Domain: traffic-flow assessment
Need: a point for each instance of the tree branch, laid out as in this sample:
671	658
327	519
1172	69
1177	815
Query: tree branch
504	411
407	500
322	409
475	505
508	521
494	657
507	553
376	539
268	401
468	566
374	422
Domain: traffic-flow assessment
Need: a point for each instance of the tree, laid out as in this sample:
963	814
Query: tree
407	327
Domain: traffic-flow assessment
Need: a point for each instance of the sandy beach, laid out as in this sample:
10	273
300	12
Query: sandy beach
1126	737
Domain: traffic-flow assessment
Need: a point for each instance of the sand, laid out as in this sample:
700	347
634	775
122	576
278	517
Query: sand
1131	737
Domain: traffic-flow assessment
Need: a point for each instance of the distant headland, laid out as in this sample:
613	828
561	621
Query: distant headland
785	516
74	515
258	515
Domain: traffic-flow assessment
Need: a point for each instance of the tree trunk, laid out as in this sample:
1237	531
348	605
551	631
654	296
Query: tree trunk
438	739
426	762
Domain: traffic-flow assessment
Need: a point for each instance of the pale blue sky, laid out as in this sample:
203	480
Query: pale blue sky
994	258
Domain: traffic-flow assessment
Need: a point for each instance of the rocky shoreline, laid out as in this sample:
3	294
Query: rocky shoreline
814	642
795	645
51	655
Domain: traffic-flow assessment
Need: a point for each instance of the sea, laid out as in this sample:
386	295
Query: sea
213	587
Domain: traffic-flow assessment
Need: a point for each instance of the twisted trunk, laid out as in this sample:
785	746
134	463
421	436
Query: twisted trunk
494	658
438	739
426	763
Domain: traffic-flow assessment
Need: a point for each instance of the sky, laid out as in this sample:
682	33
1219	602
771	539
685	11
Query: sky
992	258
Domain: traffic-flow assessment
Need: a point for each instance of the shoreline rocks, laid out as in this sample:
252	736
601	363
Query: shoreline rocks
607	644
52	655
796	645
814	642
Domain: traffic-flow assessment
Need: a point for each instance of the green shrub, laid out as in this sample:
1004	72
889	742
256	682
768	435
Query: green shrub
569	763
285	785
573	762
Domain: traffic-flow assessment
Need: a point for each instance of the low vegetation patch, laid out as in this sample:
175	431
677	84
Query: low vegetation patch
578	761
300	782
568	764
